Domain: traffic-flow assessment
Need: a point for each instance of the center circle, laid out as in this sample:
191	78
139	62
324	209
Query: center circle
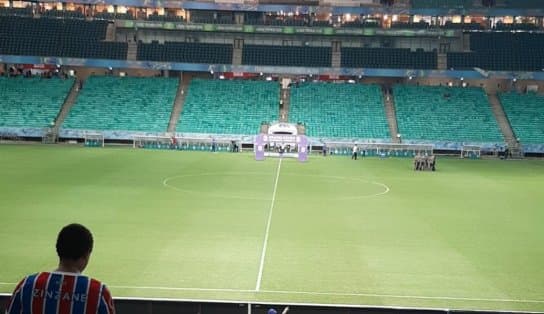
260	186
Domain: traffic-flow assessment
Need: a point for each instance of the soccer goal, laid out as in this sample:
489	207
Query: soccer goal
187	143
379	149
153	142
93	139
471	151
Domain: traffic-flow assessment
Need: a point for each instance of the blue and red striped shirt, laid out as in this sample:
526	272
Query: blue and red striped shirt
62	293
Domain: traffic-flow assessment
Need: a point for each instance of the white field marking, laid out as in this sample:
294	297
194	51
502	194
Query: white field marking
402	296
313	293
332	305
166	183
265	242
207	174
184	289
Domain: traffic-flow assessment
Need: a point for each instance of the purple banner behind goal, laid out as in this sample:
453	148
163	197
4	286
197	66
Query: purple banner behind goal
259	147
282	146
302	145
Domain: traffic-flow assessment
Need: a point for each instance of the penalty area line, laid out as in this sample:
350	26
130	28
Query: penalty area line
265	242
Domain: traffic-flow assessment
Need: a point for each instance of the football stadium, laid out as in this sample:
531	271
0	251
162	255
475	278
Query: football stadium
276	156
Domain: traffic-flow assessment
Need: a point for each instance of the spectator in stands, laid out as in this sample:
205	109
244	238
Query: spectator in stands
64	290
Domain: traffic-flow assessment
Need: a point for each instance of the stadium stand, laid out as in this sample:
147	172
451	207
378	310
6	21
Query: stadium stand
186	52
418	25
276	22
388	58
522	4
464	26
431	4
31	102
64	14
58	37
113	16
516	26
165	18
287	56
501	51
228	107
526	115
123	103
339	110
5	11
445	114
364	24
320	23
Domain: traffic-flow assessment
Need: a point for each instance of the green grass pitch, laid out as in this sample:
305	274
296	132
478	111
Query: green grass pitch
330	231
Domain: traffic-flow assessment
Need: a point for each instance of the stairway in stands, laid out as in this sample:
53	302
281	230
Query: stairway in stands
183	86
110	32
52	133
390	113
285	98
132	51
504	125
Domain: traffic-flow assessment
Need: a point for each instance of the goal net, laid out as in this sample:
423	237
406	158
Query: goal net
471	151
185	143
379	149
93	139
153	142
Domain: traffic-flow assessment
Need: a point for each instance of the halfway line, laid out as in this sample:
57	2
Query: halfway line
265	244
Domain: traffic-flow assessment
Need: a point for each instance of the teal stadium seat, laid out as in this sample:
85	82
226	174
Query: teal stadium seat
229	107
526	115
339	110
31	102
123	103
445	114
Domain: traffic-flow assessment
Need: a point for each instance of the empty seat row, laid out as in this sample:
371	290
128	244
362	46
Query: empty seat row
525	113
229	107
31	102
287	55
445	114
339	110
123	103
186	52
388	58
